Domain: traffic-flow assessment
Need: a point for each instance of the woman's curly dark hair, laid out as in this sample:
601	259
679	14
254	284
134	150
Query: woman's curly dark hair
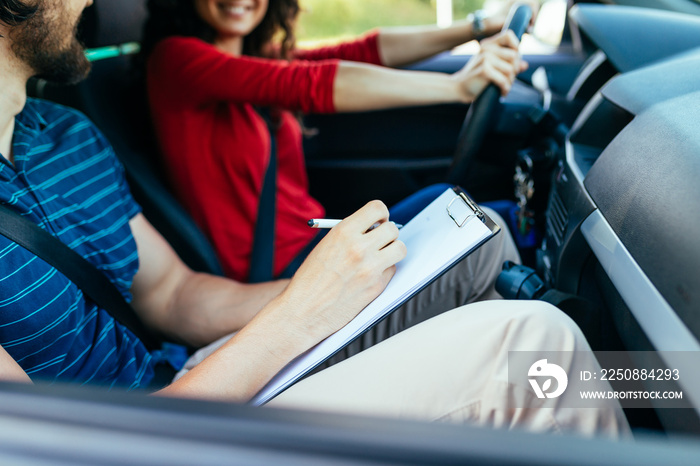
179	18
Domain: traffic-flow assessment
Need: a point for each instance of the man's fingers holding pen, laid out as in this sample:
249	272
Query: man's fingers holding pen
393	253
364	219
347	269
372	231
383	234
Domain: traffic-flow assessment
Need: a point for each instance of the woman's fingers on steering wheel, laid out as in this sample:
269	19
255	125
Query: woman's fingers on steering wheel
501	65
506	39
507	55
498	63
501	51
500	77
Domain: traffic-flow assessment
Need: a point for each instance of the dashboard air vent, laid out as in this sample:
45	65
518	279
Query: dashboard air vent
557	218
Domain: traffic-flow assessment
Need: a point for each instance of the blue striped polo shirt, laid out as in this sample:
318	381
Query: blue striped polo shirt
67	179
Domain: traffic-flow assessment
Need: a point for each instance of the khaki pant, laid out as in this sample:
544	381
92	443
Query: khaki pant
454	368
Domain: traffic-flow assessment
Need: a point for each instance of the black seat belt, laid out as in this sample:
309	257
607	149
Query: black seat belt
76	268
262	256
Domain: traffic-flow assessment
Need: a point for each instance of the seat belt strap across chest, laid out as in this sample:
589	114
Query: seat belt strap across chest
92	281
262	256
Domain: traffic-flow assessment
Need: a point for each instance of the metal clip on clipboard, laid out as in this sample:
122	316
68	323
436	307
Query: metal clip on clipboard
461	208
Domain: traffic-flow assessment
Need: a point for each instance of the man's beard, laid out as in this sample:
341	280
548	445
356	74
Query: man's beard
38	43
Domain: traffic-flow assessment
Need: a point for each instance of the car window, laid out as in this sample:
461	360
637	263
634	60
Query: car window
549	27
333	20
329	21
544	37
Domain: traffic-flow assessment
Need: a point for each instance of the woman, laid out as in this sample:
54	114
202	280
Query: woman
213	63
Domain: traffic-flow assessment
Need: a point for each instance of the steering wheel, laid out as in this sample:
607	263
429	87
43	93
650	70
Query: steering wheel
480	113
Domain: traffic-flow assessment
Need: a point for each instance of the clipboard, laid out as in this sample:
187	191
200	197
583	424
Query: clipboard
437	238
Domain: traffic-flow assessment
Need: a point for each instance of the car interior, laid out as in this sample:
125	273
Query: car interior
599	140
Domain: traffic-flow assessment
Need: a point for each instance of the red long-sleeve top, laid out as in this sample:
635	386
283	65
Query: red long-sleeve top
217	147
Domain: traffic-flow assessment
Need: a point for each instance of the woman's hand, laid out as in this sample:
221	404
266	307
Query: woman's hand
496	16
498	62
348	269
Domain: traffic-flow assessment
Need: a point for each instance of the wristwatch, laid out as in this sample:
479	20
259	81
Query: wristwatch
477	20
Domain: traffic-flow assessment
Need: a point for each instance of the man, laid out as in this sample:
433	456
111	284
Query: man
58	171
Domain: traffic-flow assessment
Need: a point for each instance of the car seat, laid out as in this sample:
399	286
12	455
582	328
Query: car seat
114	99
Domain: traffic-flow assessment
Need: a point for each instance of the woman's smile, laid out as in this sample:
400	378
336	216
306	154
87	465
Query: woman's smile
232	19
235	9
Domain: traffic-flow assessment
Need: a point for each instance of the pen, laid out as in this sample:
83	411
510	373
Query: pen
330	223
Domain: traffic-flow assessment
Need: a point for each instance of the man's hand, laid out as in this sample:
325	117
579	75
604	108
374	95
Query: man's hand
498	62
346	271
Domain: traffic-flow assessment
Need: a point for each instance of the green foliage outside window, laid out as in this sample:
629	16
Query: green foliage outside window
461	8
324	20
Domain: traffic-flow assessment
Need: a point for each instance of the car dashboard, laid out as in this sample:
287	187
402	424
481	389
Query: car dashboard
620	225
